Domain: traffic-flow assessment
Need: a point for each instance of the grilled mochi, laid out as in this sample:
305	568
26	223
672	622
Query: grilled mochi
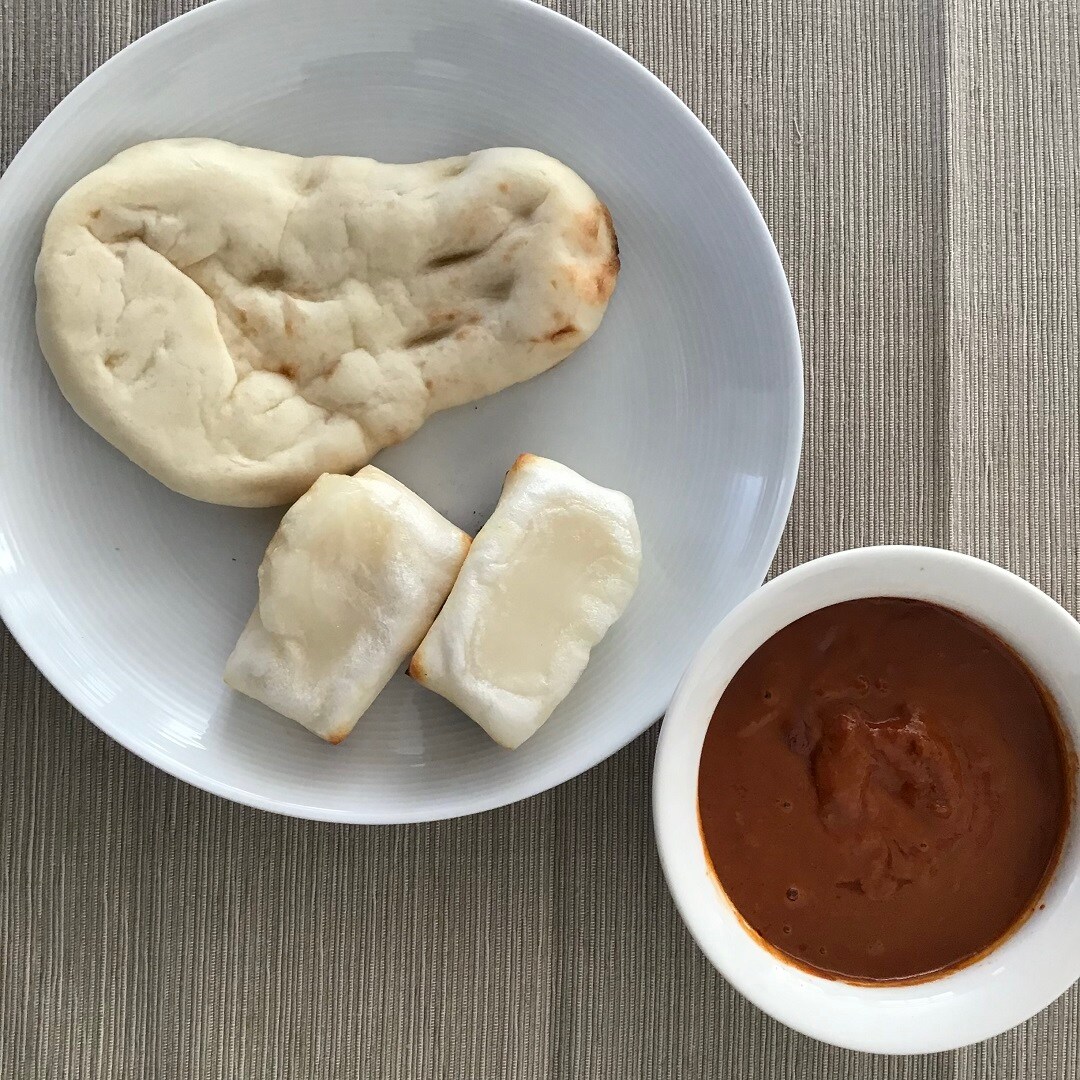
238	322
545	578
350	583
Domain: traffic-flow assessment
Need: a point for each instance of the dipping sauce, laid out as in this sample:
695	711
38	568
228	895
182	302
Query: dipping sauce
884	790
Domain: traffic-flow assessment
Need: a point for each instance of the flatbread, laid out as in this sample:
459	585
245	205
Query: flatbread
239	322
350	583
551	570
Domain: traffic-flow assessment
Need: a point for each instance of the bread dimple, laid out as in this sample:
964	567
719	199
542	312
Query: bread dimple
239	321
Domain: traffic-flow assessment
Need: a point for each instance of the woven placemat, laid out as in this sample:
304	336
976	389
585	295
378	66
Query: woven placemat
917	163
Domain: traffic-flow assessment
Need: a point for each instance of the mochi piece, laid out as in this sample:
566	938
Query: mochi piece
351	581
238	322
553	568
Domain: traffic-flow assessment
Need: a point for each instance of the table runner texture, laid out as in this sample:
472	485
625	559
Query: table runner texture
917	163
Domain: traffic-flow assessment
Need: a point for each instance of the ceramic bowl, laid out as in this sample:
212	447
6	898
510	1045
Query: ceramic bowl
1033	965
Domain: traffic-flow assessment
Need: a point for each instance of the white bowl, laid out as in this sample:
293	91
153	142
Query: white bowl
689	398
1028	970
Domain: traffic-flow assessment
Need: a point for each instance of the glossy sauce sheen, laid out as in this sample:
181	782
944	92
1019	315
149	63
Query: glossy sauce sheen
883	790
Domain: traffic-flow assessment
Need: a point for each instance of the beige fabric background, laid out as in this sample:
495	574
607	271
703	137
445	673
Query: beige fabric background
918	165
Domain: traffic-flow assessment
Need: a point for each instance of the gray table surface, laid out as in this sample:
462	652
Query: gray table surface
918	165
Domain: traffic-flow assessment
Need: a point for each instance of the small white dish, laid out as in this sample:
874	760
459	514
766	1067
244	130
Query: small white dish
1030	968
689	398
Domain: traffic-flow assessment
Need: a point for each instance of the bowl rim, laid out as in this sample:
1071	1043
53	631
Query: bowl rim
32	637
1018	977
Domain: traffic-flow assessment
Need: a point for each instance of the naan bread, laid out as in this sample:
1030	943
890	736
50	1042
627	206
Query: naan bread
351	581
553	568
239	322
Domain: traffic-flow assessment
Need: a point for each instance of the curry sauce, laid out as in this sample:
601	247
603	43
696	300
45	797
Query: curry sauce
884	790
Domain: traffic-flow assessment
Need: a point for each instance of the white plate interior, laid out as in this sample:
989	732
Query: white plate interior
129	597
